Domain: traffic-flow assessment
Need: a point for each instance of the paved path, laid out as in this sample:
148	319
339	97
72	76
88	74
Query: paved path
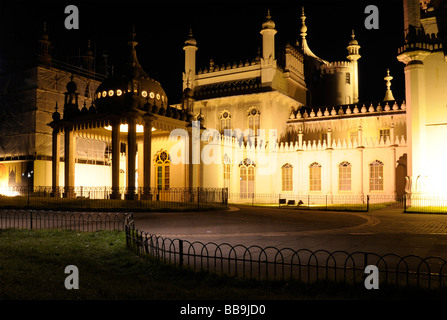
381	232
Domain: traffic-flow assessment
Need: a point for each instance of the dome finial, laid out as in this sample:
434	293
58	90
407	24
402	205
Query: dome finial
190	41
389	94
303	24
353	41
268	24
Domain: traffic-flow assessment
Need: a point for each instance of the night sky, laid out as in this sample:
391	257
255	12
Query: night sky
226	31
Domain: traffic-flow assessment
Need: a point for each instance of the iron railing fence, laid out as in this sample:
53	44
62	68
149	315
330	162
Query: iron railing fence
271	263
105	198
81	221
319	201
414	203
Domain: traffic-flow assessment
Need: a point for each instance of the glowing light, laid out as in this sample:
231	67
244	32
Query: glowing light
144	94
111	93
125	128
119	92
5	191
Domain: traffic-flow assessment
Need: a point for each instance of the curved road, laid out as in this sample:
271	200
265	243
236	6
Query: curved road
381	232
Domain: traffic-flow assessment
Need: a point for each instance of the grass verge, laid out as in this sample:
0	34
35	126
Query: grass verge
32	264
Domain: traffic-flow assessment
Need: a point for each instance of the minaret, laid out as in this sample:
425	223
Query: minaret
268	39
190	49
88	58
268	62
389	94
353	56
415	97
44	55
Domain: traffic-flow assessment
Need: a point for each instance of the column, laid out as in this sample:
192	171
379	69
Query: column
360	147
193	154
55	162
416	114
131	156
147	154
329	139
69	169
116	160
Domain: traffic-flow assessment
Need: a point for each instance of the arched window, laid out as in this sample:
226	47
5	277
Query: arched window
254	120
225	121
247	178
376	176
287	177
344	176
315	177
162	168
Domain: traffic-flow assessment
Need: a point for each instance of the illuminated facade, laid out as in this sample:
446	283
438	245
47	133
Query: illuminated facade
424	55
290	124
328	142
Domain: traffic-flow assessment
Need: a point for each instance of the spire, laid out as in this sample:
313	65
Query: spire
134	67
44	55
88	58
303	26
389	94
304	47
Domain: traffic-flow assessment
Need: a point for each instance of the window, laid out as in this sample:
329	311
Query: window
376	176
315	177
348	78
227	172
384	134
344	176
254	118
225	121
287	177
162	168
247	178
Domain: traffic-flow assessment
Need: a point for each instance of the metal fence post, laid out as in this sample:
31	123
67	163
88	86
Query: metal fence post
367	203
180	252
405	203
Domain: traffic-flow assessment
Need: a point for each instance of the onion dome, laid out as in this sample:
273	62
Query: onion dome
190	41
56	115
71	86
268	24
353	41
132	88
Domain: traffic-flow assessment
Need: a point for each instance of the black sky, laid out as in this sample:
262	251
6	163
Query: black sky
226	31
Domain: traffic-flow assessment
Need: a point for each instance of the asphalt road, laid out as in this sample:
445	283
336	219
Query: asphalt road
381	232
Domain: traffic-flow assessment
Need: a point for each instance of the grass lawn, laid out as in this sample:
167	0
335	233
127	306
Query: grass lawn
32	264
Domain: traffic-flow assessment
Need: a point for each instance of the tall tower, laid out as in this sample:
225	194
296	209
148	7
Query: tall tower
190	49
268	61
268	38
354	56
44	52
415	96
